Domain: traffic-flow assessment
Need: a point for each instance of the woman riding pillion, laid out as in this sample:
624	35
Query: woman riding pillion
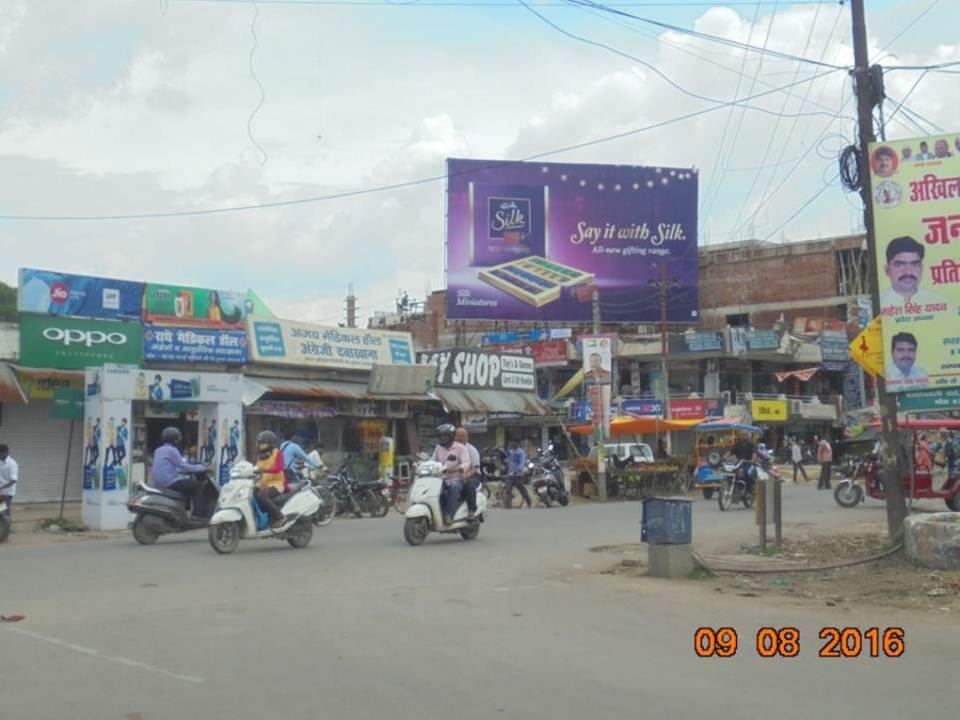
272	481
456	463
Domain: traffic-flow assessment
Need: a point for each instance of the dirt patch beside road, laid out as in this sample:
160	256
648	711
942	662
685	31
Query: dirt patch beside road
893	581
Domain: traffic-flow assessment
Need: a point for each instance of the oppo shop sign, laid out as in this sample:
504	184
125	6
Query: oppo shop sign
64	343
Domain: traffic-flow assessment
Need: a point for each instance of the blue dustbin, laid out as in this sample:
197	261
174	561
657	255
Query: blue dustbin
666	521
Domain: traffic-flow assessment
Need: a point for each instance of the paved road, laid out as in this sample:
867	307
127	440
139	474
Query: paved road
359	625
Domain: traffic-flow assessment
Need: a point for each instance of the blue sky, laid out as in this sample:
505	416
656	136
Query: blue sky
111	107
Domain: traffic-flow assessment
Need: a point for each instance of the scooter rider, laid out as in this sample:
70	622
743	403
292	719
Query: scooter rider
169	467
294	458
472	477
272	481
456	462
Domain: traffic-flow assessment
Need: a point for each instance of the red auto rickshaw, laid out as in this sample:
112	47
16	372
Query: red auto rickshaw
918	483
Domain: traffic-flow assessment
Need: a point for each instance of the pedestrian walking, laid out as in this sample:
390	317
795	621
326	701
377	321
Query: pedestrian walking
796	458
9	481
950	453
825	458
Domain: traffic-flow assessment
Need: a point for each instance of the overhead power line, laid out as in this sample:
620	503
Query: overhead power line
491	3
655	69
706	36
398	185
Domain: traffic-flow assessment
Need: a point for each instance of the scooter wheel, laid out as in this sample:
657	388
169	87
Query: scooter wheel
224	537
143	533
300	534
415	530
471	531
564	500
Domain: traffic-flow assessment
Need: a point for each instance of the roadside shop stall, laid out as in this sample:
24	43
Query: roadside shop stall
115	429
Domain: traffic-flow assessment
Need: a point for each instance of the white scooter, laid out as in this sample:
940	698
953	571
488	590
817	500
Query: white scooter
238	517
424	515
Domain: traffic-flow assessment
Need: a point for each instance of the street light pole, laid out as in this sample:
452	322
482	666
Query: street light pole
867	98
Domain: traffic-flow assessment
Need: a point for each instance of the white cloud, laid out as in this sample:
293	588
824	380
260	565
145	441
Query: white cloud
114	108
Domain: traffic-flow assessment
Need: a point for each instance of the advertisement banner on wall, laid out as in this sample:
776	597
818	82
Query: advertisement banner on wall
768	410
533	241
916	208
642	408
481	369
284	342
56	293
545	353
64	343
43	385
597	358
179	305
688	409
194	345
835	350
124	382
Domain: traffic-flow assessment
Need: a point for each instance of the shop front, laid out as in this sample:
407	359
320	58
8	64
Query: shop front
322	385
125	409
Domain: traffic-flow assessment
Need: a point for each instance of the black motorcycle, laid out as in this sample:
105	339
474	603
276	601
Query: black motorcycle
493	464
734	487
357	497
547	478
163	511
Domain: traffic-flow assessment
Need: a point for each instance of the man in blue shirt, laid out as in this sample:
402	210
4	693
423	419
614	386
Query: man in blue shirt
294	457
169	467
516	466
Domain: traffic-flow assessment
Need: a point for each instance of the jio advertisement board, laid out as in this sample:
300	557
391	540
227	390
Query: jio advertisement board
56	293
916	209
533	241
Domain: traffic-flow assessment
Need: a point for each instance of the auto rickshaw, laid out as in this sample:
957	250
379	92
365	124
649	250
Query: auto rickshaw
865	476
713	441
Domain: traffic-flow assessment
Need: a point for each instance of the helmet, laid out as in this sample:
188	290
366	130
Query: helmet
266	444
445	434
172	436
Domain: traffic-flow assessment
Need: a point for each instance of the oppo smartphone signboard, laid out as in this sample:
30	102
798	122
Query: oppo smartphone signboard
65	343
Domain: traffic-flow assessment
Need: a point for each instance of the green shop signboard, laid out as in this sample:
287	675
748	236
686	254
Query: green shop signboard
945	399
64	343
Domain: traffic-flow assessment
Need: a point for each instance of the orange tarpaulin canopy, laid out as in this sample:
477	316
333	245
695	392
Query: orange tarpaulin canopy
639	426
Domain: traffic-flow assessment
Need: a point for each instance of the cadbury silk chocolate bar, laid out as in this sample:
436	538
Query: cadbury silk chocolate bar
507	222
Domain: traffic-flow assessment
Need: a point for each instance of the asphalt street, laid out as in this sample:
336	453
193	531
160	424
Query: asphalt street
519	623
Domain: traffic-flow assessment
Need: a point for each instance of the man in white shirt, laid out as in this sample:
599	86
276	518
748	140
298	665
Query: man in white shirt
796	458
903	350
904	269
9	479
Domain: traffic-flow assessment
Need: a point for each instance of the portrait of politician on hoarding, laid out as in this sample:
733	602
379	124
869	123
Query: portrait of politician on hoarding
904	269
885	161
903	351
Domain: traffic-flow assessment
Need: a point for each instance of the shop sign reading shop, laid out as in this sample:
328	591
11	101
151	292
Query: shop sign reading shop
481	370
283	342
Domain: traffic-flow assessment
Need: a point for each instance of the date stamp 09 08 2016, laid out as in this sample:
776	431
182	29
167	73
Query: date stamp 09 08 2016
849	642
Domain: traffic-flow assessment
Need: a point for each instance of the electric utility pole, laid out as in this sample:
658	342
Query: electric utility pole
869	88
351	307
663	285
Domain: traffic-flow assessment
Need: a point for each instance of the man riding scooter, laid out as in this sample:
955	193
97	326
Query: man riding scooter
169	468
456	462
745	451
272	481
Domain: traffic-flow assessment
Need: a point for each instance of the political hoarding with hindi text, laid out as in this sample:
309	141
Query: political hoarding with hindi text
916	203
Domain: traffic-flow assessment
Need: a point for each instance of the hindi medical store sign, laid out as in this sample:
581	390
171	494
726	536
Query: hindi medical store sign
283	342
916	207
533	241
64	343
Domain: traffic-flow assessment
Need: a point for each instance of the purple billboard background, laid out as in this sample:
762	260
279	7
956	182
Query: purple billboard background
587	217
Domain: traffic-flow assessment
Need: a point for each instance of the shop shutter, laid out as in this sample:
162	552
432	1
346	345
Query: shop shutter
38	442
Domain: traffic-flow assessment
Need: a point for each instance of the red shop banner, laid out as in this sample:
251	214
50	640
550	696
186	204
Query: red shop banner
690	409
543	352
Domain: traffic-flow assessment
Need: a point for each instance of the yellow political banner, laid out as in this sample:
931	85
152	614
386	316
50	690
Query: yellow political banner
866	350
916	209
768	410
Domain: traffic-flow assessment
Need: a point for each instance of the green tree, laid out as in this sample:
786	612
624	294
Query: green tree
8	302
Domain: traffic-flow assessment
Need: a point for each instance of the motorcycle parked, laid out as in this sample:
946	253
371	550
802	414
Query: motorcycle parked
493	464
734	487
163	511
425	513
547	478
238	517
